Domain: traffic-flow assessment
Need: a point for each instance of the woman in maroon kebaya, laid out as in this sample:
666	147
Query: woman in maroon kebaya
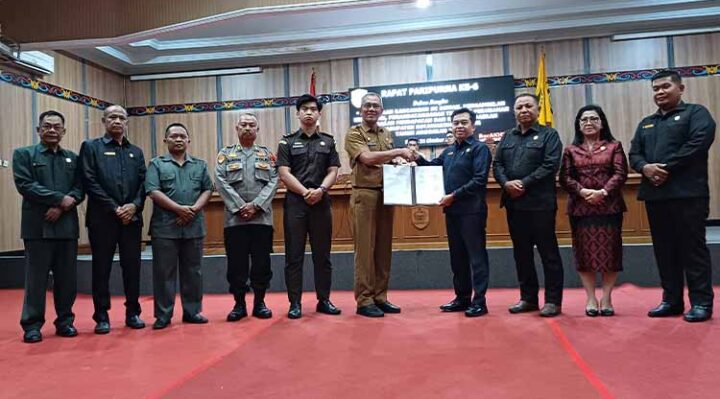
593	171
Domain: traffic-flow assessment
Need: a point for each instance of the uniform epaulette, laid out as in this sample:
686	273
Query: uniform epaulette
289	134
327	134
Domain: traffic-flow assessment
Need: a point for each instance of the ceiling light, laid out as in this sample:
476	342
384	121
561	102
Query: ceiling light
422	3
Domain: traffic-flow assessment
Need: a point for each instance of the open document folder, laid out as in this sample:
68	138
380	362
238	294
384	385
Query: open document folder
412	185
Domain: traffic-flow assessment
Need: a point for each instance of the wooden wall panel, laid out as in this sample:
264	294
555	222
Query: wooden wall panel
564	57
706	91
565	103
16	130
476	63
342	76
105	85
269	83
697	49
299	74
607	55
68	72
625	104
179	91
395	69
137	94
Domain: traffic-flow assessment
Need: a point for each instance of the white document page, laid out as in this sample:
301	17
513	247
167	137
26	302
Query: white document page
397	185
429	187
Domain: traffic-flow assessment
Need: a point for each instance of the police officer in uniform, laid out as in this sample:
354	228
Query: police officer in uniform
466	164
246	180
369	146
180	187
113	173
46	176
308	164
670	148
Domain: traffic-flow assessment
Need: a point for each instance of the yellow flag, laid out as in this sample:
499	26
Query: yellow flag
542	91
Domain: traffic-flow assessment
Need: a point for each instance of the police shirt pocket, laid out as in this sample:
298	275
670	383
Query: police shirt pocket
298	151
534	150
262	171
234	172
323	150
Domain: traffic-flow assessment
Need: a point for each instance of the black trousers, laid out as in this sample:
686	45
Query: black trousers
301	220
468	255
529	229
678	232
105	236
170	256
243	244
41	257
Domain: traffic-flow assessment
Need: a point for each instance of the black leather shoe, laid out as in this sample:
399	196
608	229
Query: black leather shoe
32	336
550	310
456	305
607	312
160	324
238	312
592	312
665	309
261	311
327	307
102	327
476	310
295	311
195	319
67	331
698	313
134	322
370	311
523	307
388	307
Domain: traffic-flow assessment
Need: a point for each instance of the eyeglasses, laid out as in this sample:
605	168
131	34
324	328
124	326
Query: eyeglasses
589	119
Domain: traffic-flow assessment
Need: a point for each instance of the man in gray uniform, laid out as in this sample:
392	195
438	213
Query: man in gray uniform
46	175
180	187
246	179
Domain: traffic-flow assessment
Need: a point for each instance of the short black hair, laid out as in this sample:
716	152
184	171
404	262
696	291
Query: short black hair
415	139
667	73
50	113
176	124
534	97
468	111
307	98
605	133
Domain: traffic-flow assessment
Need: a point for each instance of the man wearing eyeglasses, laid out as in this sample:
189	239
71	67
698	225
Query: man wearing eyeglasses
526	162
46	175
670	148
308	164
369	146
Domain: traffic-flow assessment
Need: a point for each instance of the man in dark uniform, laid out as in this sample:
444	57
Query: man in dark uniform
180	187
670	148
113	172
246	179
47	177
466	164
526	162
308	164
369	146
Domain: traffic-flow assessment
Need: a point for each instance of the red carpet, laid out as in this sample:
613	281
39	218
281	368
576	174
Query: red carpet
420	353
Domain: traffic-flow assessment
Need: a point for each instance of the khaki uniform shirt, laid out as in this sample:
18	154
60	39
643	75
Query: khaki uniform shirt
359	140
246	176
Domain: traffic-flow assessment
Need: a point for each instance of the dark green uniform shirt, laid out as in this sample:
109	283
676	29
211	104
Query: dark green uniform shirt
44	178
182	184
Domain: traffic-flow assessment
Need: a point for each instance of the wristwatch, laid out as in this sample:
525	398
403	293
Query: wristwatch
323	188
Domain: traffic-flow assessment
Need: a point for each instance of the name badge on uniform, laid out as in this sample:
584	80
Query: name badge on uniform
262	165
110	153
648	126
298	145
232	155
450	153
234	166
68	160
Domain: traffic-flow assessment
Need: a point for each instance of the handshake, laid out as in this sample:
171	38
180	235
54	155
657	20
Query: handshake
405	156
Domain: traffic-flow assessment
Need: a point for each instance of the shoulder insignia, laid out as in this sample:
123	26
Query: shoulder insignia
648	126
221	158
282	141
289	134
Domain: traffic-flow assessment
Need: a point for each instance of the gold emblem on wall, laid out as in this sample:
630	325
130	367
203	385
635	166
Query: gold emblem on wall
420	217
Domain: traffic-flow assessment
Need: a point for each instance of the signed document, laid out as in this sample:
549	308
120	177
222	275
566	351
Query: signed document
411	185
